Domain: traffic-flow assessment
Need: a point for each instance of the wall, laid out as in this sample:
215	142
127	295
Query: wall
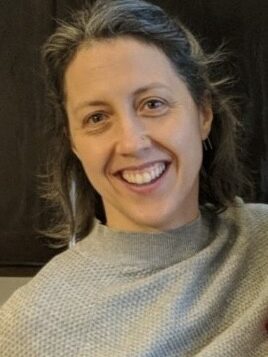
24	26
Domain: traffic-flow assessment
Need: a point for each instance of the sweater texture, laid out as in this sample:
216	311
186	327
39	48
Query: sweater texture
198	290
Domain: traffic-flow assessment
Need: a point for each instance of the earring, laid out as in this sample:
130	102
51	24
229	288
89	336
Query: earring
207	144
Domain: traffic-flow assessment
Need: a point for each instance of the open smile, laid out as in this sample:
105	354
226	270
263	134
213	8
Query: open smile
147	187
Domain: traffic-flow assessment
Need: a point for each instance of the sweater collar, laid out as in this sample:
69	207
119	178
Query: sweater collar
146	249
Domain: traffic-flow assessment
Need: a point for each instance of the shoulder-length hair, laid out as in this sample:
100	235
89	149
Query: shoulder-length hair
73	199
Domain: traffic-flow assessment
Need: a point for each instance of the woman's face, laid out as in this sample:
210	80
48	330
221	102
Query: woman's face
117	92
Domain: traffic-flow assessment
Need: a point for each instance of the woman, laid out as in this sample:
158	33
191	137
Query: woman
175	263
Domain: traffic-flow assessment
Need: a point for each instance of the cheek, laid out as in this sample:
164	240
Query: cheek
86	155
185	137
84	150
186	145
94	163
93	173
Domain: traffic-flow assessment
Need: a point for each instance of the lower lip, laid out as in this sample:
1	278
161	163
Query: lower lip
146	188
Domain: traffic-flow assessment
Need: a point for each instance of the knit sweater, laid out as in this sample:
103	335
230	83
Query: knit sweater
197	290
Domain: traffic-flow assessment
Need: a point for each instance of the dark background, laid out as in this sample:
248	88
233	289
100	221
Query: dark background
24	26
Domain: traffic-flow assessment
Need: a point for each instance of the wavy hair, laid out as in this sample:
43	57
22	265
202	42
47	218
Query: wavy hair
222	176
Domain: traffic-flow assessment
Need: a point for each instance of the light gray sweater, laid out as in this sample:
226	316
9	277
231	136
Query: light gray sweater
199	290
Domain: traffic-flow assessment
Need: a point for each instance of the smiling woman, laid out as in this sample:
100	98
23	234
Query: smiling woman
115	141
109	50
168	260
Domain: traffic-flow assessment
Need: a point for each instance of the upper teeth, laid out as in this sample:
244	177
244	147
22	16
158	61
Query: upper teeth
146	176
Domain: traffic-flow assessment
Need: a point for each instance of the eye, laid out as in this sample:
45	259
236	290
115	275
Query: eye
154	104
154	107
93	119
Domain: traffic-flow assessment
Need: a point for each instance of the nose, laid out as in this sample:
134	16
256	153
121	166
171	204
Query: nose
132	135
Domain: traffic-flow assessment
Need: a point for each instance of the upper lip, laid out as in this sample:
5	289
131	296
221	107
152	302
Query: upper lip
141	167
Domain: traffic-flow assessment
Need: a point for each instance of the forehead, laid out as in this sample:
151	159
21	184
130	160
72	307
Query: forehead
121	49
115	58
109	68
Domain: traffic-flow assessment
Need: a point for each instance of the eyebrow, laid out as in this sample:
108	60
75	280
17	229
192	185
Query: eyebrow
138	91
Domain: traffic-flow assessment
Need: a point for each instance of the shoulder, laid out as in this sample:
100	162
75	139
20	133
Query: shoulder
253	216
51	279
248	224
61	294
35	296
240	236
64	274
32	310
243	224
53	270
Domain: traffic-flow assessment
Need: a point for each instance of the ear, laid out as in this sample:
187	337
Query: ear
206	118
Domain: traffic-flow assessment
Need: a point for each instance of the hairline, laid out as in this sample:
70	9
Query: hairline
88	43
